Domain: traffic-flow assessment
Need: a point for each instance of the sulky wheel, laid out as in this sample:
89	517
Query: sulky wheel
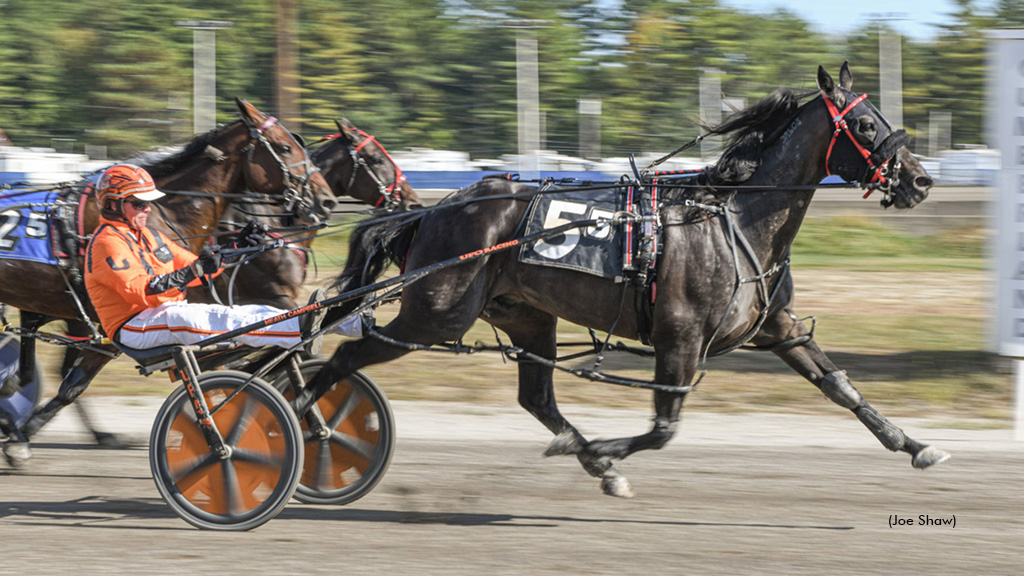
254	483
353	449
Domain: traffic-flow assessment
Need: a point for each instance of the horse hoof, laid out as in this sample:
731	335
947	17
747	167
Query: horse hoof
617	486
17	454
929	456
563	444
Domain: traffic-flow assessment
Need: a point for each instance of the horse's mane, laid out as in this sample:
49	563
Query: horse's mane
748	132
175	162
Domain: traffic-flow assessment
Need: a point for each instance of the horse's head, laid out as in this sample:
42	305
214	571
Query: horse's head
278	165
355	164
865	148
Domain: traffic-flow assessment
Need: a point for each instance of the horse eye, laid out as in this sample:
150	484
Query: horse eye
285	148
866	129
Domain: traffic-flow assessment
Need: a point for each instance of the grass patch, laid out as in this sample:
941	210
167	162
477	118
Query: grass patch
850	242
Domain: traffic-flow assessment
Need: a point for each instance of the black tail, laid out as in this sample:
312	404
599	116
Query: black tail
371	250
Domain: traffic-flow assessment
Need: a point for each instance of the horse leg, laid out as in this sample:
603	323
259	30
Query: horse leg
79	328
812	363
76	379
534	332
673	367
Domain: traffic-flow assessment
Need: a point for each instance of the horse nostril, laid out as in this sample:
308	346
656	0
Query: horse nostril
328	204
923	182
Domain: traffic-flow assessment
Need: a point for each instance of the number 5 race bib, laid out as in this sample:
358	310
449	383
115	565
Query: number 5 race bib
594	250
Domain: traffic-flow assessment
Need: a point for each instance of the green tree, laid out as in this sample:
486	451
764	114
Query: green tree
333	81
957	71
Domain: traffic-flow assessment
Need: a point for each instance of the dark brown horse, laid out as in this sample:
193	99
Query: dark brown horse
722	276
354	164
252	156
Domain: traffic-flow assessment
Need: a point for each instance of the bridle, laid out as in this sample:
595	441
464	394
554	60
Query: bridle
390	194
298	194
883	164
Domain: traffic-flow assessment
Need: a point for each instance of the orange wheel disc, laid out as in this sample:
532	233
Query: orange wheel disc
352	452
258	474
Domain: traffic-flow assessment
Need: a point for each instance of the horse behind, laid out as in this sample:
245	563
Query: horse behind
354	164
722	276
253	156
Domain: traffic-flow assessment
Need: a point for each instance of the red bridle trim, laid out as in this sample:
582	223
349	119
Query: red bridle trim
367	138
839	120
399	175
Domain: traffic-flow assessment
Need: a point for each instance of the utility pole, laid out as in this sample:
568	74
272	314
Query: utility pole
527	96
204	71
890	68
710	108
287	65
590	128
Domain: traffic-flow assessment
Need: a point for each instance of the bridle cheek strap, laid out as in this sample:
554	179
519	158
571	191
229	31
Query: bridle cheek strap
389	195
839	120
296	188
876	162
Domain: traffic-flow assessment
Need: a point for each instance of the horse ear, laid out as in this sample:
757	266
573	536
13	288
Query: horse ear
845	76
346	129
248	111
828	87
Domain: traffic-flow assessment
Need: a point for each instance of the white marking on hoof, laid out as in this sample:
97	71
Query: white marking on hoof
18	454
564	443
617	485
929	456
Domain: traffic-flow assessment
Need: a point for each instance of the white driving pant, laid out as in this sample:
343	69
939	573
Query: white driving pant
188	323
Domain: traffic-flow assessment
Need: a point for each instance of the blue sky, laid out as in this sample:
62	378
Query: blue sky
914	18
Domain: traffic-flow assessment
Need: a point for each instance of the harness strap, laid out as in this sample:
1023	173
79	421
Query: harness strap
388	193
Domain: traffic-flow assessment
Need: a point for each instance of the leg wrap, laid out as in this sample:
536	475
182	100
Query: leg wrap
889	435
662	431
76	381
9	427
72	387
838	388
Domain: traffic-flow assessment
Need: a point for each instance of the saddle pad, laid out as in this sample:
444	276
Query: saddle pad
25	230
596	251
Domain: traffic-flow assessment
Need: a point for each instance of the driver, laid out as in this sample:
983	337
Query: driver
137	279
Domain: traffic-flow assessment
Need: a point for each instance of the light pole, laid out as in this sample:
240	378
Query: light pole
204	71
527	96
590	128
710	108
890	69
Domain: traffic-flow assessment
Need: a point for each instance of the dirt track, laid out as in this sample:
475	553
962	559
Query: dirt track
468	493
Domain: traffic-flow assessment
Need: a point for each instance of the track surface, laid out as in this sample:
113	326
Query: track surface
468	493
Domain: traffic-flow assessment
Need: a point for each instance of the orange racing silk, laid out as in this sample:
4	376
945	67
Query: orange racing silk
119	265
